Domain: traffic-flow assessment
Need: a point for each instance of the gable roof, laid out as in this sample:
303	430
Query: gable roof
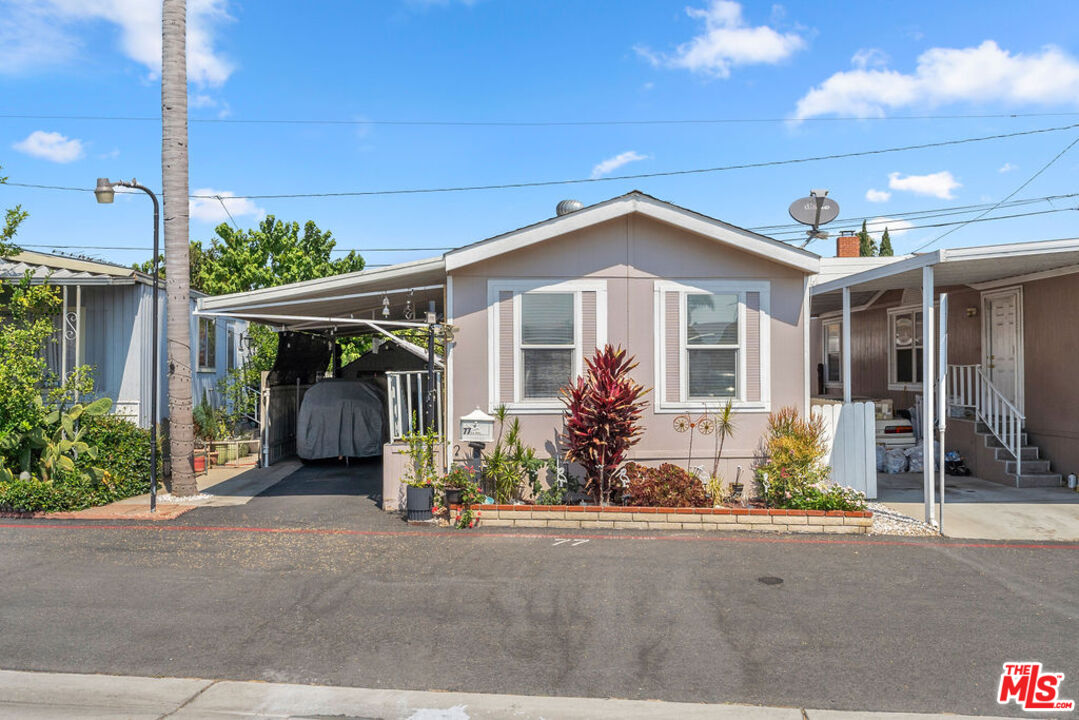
643	204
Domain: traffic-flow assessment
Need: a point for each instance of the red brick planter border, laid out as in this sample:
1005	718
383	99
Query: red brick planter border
658	518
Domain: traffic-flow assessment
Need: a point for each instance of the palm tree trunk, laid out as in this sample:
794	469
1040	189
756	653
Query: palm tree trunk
177	270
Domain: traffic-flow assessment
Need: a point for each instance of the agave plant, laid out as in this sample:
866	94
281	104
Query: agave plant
603	413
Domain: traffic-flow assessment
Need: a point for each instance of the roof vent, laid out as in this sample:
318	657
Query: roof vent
567	206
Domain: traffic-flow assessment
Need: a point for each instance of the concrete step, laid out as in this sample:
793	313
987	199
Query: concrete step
992	442
1034	479
1030	467
1031	452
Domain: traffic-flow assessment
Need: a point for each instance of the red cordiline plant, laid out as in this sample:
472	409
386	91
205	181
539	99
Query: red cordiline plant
603	413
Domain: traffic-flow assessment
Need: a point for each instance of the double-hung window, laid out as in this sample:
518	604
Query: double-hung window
207	359
832	355
547	344
905	347
712	345
540	333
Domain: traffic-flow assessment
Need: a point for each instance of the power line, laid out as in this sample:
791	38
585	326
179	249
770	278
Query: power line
795	228
452	247
960	223
532	123
1010	195
612	178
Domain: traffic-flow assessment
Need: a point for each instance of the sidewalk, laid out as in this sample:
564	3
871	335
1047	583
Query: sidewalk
44	696
225	485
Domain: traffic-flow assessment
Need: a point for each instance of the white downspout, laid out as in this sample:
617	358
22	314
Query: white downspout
942	396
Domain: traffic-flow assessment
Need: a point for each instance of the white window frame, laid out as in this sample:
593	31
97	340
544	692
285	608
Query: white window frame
837	322
518	287
198	345
712	287
911	310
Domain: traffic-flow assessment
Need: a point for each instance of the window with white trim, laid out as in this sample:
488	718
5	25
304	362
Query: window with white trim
832	351
540	331
547	341
905	348
712	345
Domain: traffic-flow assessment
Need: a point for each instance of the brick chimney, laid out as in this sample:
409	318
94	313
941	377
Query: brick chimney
847	245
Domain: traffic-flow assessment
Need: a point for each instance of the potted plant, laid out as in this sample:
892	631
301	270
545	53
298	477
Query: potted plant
455	481
420	474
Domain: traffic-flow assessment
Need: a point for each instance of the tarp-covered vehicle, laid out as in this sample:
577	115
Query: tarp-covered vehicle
341	418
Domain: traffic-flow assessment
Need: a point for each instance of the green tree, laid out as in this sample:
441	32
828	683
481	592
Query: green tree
12	219
867	247
273	253
886	244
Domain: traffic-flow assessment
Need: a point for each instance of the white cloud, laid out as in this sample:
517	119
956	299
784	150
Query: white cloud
41	32
939	184
1007	167
209	209
611	164
986	73
896	227
877	196
725	42
51	146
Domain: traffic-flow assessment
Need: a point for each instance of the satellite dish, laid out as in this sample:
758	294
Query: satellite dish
815	210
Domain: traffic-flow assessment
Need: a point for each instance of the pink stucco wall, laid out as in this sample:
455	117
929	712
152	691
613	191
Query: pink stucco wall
630	253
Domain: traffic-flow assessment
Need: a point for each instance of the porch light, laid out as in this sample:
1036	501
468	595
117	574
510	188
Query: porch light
385	306
104	191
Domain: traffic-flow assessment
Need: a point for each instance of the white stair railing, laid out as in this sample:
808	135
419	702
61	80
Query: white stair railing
1002	418
969	387
963	385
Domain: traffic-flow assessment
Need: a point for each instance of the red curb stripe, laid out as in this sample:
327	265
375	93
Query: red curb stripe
488	534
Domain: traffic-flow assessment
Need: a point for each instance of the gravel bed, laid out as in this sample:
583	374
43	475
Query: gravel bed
887	521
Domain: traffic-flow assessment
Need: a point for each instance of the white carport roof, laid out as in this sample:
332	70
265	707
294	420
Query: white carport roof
345	304
972	266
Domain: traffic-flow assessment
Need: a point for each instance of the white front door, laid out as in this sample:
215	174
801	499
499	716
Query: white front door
1002	343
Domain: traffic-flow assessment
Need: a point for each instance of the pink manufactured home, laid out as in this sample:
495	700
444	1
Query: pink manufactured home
710	311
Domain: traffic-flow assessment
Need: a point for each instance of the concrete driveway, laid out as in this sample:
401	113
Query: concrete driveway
979	509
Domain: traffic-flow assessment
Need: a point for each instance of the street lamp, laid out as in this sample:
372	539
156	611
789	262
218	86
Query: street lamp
105	194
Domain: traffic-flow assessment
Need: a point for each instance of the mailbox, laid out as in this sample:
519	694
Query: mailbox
477	426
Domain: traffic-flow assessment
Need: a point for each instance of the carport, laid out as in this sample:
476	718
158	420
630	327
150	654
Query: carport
378	302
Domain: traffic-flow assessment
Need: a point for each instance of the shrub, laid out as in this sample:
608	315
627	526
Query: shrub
510	463
603	413
793	474
665	486
120	469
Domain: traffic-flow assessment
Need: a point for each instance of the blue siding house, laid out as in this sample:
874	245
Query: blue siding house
106	323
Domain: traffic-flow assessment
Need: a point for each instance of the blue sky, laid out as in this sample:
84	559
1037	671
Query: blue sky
800	63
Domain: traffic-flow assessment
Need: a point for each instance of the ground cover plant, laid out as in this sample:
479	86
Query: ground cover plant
665	486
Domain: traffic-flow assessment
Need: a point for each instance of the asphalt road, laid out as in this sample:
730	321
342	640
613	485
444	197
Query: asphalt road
855	624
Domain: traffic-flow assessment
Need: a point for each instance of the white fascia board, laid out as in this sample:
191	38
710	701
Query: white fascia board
898	268
741	239
334	282
1008	250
